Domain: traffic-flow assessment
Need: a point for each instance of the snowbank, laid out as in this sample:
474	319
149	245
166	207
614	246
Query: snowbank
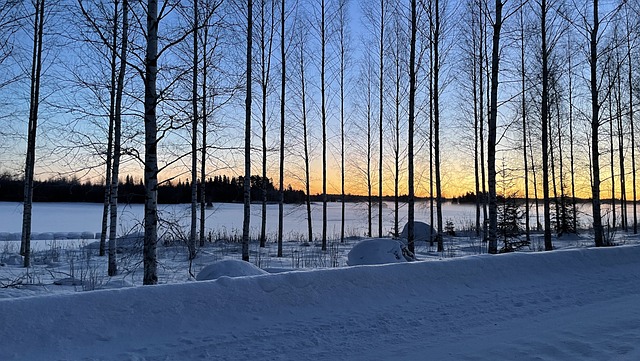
421	231
561	305
228	268
376	251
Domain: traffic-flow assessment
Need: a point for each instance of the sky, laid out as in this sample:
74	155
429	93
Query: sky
560	305
72	135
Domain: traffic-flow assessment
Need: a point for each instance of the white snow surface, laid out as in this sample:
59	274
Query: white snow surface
422	232
578	304
228	268
376	251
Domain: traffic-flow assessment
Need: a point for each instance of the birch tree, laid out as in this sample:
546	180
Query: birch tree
398	75
267	27
152	132
493	115
211	40
117	141
305	132
151	147
34	102
523	78
436	120
593	32
412	101
247	139
343	34
283	79
194	136
381	58
545	125
629	45
110	41
498	20
323	85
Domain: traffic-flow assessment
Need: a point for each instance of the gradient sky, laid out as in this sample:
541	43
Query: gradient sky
72	134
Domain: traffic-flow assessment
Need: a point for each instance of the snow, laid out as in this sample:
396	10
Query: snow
563	305
376	251
228	268
421	230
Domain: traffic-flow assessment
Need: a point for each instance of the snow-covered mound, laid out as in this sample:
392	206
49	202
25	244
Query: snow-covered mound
228	268
12	259
422	232
377	251
579	304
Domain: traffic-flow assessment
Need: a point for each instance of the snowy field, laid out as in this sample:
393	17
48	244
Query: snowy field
223	217
578	304
65	248
574	303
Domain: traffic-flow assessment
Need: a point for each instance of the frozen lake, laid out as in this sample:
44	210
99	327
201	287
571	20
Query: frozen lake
223	217
226	218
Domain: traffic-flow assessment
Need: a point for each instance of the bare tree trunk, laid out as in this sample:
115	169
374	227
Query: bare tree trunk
481	61
113	223
623	186
523	78
203	156
436	123
563	209
194	138
412	102
282	101
632	127
36	70
397	99
112	99
324	127
611	160
265	67
545	128
477	108
369	147
343	23
247	139
562	201
381	114
552	161
571	144
535	185
306	142
432	236
595	127
491	151
151	151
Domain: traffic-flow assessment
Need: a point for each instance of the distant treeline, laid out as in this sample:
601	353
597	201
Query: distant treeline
217	189
470	197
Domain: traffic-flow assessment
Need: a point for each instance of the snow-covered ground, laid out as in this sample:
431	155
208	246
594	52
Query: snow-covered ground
227	217
222	218
572	303
577	304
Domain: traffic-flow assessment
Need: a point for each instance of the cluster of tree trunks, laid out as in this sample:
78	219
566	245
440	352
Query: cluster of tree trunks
391	71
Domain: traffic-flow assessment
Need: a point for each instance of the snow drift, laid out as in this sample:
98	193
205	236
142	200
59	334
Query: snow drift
422	232
228	268
561	305
377	251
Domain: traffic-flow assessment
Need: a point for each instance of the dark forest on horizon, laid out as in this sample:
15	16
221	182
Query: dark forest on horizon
219	189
